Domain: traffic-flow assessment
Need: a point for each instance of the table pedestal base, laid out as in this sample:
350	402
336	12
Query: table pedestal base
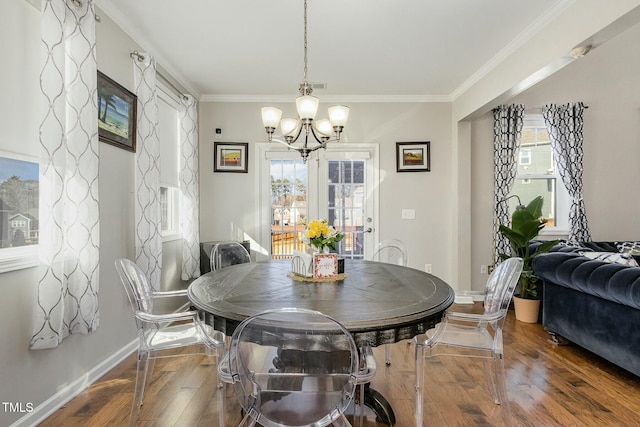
378	404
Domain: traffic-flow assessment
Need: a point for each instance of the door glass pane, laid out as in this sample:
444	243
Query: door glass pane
346	208
288	206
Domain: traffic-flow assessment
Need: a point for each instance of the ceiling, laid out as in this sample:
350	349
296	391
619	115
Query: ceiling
422	49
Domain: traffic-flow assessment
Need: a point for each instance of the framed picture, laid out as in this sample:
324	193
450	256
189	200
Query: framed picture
230	157
116	114
413	156
325	265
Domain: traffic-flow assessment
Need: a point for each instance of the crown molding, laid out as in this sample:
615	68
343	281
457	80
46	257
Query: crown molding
130	29
527	34
328	98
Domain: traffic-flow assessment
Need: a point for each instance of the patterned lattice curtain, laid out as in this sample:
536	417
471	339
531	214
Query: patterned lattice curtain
148	227
564	124
69	227
189	184
507	133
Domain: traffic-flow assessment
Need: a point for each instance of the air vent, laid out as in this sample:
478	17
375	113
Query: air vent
318	86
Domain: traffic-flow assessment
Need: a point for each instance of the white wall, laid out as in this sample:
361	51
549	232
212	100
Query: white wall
35	376
608	81
228	200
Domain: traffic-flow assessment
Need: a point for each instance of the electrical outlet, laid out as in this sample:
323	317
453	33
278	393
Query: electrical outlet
483	269
427	268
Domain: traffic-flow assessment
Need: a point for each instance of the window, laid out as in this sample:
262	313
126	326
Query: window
525	157
169	135
538	175
169	210
19	194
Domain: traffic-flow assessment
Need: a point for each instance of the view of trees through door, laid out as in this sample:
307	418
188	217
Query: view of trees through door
340	198
288	206
346	204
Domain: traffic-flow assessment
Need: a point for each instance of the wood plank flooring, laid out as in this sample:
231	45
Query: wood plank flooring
547	386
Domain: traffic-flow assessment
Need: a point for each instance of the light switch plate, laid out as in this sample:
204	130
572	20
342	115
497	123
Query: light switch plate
408	214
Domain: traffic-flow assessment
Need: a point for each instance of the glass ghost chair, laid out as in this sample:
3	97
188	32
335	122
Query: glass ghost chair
158	333
391	251
473	335
225	254
295	367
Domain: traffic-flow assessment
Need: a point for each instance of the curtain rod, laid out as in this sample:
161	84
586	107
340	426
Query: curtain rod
172	86
140	57
539	109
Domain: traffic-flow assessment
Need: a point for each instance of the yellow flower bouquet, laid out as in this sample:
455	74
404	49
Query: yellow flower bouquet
321	236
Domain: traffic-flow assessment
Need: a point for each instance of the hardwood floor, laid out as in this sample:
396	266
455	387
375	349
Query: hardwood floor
547	386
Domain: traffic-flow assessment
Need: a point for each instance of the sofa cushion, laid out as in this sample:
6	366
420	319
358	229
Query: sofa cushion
628	247
612	257
613	282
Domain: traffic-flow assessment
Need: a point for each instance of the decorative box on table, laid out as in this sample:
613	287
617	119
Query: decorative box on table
316	267
325	266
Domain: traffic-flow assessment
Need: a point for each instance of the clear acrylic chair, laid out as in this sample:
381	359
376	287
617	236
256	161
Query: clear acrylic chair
391	251
473	335
225	254
295	367
160	332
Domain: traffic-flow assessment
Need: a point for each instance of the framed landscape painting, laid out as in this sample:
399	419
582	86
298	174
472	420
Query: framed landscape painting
413	156
116	114
230	157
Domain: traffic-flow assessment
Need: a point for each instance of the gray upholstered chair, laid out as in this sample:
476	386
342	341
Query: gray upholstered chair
225	254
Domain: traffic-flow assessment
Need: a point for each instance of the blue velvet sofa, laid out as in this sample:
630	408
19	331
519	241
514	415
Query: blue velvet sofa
592	303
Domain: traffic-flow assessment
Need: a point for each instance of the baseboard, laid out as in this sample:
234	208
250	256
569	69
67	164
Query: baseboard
468	297
55	402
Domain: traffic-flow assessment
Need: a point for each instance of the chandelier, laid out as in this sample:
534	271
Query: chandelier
313	134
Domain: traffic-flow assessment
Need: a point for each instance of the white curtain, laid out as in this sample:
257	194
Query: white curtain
69	227
190	188
148	231
507	133
565	123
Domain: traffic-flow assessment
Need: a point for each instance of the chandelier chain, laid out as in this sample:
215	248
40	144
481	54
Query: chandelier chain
315	133
305	40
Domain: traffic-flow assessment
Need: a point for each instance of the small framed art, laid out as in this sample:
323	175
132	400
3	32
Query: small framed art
116	114
325	265
413	156
230	157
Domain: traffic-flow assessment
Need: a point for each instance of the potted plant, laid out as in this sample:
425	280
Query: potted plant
526	223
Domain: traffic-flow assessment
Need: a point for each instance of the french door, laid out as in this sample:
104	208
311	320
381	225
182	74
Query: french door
339	184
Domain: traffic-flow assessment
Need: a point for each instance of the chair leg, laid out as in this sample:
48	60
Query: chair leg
144	370
387	354
419	382
220	391
360	415
494	370
341	421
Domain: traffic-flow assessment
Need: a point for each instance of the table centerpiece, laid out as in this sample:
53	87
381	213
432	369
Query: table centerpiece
320	239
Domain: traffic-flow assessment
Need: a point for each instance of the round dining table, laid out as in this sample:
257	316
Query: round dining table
378	303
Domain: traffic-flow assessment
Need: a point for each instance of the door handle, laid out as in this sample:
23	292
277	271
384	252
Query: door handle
369	230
